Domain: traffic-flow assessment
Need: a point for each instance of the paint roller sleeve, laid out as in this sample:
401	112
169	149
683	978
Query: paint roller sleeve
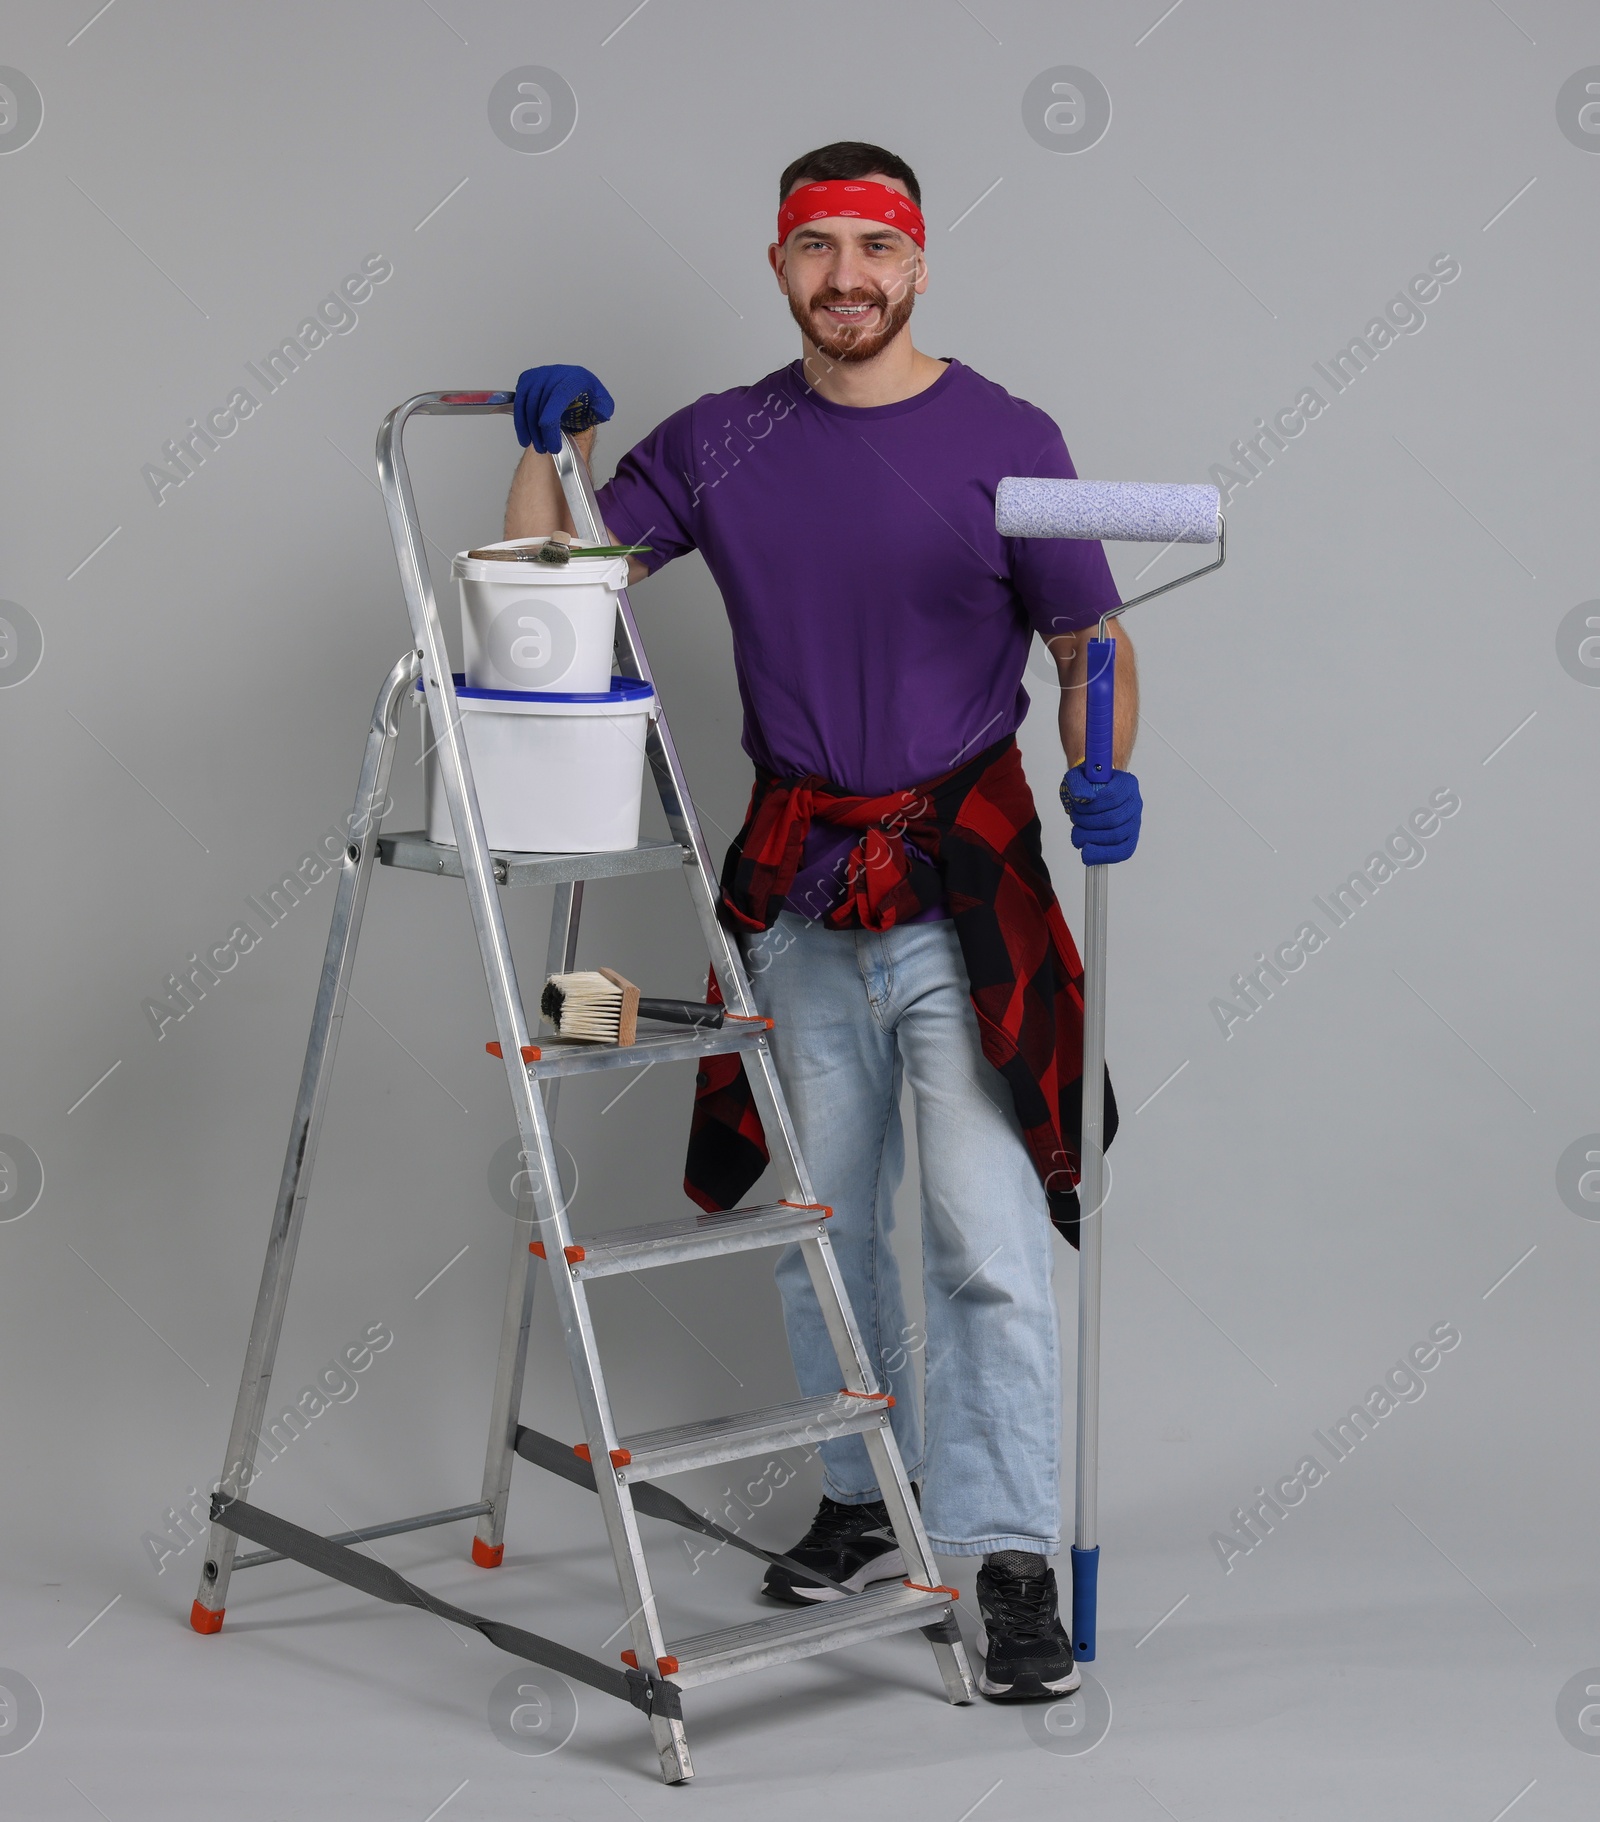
1146	512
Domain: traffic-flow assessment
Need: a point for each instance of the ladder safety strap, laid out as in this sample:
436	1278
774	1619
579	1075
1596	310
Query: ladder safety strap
655	1502
650	1693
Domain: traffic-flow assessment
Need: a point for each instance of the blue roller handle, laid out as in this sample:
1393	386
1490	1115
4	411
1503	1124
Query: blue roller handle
1099	712
1085	1581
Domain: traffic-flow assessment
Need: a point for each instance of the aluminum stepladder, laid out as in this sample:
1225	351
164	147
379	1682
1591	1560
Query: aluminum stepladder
534	1073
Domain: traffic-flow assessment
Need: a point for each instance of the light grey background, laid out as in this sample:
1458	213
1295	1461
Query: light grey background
1367	1157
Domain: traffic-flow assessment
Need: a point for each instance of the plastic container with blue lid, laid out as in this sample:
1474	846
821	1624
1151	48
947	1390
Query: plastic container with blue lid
557	772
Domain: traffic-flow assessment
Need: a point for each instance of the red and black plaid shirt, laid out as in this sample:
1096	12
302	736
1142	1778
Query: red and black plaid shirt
979	832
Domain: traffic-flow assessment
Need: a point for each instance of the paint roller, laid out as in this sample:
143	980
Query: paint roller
1145	512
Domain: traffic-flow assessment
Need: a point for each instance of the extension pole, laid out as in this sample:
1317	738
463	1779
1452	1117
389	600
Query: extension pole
1099	721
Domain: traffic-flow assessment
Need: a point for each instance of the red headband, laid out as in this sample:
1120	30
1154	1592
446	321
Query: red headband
842	196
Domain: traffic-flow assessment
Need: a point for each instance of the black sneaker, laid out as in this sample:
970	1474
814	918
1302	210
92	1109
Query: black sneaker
848	1544
1027	1656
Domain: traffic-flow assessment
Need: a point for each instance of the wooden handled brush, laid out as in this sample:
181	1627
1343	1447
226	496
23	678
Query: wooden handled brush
600	1006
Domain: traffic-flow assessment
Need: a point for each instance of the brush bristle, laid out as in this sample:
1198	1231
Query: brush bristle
583	1005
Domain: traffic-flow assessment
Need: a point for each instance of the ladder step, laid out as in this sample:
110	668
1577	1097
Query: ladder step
414	851
565	1056
807	1631
699	1236
656	1453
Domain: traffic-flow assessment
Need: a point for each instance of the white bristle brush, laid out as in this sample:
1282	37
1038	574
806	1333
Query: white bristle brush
600	1006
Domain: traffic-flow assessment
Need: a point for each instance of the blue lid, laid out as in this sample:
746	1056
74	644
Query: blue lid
623	689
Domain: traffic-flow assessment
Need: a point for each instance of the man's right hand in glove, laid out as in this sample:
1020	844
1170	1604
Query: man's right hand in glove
550	400
553	399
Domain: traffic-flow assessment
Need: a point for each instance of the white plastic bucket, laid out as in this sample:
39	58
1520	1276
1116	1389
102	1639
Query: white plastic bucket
556	773
538	626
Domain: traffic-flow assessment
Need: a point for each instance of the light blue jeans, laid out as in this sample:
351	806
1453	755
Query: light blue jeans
854	1011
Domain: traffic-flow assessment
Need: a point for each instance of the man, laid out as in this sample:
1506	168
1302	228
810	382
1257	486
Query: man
845	507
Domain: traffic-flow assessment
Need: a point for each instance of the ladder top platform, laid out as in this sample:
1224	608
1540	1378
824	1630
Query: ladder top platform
413	850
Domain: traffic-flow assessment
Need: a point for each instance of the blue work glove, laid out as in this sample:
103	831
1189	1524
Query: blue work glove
553	399
1105	817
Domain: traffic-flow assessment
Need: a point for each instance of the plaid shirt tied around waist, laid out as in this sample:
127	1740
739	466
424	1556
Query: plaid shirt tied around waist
972	837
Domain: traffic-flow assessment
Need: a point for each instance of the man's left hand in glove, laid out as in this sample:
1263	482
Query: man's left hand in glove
1105	817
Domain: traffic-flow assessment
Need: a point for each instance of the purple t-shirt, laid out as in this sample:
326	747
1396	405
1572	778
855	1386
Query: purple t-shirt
880	622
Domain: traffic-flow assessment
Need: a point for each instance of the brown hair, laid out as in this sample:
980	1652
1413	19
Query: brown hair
848	158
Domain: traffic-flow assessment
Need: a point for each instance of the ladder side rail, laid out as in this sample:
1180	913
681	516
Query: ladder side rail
561	956
594	1407
510	1369
849	1348
676	802
905	1520
584	506
294	1186
511	1028
648	1636
512	1363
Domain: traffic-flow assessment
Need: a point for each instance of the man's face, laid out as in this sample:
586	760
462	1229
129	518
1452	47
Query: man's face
850	283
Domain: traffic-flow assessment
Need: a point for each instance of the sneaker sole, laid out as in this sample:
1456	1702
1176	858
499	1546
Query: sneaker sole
890	1567
1030	1689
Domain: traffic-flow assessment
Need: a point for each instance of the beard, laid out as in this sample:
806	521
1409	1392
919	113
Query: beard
850	342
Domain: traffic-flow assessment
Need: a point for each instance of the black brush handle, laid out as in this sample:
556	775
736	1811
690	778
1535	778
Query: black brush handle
683	1012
